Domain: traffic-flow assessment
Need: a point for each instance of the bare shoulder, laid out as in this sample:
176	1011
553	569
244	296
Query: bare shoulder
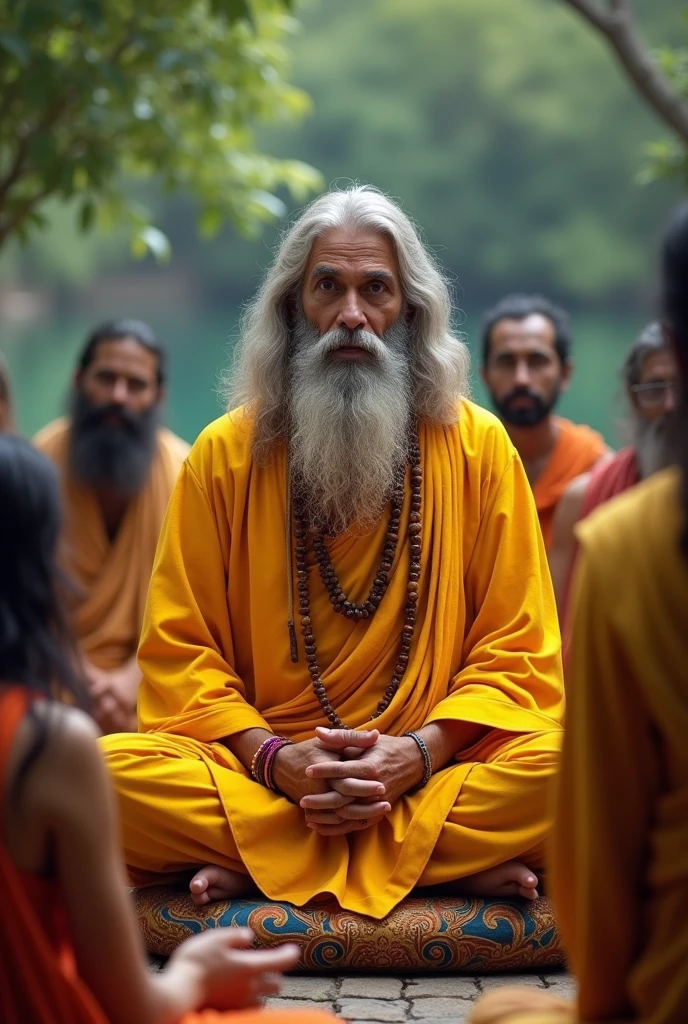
68	769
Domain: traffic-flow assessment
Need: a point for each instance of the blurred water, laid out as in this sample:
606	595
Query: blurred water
41	360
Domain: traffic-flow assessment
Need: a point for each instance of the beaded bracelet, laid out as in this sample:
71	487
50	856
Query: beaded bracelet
427	763
263	763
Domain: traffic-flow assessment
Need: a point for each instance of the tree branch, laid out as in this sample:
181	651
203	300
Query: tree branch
592	13
619	28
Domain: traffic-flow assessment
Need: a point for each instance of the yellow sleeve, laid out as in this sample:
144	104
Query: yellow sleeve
186	653
605	798
510	676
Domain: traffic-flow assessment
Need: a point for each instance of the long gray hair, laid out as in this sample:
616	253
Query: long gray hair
439	360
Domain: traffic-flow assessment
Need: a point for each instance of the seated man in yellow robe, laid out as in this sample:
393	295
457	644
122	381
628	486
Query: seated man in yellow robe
117	469
620	851
352	680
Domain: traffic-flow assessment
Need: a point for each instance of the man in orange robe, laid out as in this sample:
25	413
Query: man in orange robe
117	469
526	366
355	545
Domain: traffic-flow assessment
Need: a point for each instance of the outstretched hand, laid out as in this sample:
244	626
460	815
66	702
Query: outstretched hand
226	972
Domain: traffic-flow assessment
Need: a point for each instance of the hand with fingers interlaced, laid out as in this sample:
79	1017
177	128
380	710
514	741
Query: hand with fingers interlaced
364	779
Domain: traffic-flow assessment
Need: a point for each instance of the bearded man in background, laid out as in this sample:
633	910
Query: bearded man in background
117	468
352	680
650	378
526	351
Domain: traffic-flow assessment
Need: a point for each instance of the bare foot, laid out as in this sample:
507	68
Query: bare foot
214	883
509	879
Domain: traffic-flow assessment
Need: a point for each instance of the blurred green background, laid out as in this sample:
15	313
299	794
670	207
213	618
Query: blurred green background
504	128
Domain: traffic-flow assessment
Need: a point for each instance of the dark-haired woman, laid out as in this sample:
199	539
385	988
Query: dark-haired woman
620	865
69	949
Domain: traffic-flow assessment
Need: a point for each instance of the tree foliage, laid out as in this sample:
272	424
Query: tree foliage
95	92
505	129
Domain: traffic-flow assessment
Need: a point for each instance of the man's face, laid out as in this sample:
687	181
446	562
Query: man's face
115	414
524	374
655	396
352	281
122	374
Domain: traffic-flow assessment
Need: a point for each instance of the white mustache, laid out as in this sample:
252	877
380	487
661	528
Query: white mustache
364	340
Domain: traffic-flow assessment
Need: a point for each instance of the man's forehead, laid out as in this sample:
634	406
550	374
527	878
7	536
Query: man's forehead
126	355
535	331
346	249
659	366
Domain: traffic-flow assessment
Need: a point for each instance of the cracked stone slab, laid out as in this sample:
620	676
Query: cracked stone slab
372	988
319	989
449	985
373	1009
436	1008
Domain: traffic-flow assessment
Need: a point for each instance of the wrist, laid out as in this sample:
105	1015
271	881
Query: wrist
175	993
424	762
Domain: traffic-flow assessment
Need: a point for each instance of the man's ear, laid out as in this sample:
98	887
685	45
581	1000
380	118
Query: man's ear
566	375
162	395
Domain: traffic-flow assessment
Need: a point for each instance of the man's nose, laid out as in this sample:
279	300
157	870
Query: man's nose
669	403
522	376
351	315
120	392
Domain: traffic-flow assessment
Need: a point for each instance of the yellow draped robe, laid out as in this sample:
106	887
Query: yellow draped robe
215	659
111	577
620	848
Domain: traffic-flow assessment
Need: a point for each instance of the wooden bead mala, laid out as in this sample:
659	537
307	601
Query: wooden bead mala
365	609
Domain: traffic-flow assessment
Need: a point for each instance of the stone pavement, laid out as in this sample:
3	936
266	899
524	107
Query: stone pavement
428	999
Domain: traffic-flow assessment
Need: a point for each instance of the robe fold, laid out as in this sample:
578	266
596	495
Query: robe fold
576	451
215	659
39	981
111	577
620	848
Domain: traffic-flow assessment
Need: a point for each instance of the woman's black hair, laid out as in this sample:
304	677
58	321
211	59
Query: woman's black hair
675	308
37	650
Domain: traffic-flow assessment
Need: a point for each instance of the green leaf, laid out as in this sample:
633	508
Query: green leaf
87	215
233	10
150	239
210	222
16	46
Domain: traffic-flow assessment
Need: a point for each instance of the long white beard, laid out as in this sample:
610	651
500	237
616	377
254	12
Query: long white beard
653	443
349	423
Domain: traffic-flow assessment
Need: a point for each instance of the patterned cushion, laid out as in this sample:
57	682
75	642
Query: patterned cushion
434	933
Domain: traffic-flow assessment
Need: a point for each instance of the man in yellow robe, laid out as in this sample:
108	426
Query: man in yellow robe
117	469
620	850
355	492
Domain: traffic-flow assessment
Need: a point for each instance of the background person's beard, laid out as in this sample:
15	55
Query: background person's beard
108	456
654	442
348	422
525	416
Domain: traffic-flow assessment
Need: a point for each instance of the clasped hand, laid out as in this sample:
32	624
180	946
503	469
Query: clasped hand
346	781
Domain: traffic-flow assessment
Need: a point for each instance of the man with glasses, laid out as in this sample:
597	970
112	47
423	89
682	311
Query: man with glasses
650	378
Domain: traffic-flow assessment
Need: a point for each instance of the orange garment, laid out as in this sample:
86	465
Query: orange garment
215	659
112	576
576	451
620	849
39	983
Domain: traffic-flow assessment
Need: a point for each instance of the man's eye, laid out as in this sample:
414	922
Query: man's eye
376	286
326	285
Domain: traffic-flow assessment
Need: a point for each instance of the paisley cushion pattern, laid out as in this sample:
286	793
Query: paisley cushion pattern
421	934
